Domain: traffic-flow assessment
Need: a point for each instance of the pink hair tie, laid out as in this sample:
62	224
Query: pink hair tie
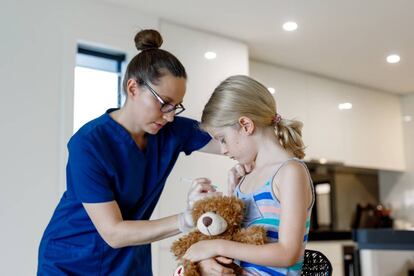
276	119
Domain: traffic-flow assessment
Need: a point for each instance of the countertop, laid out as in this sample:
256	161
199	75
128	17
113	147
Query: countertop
384	239
329	235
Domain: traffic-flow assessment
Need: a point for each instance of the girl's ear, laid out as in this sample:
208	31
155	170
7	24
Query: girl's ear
132	88
246	125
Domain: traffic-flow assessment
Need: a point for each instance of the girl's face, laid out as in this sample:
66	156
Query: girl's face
235	143
146	105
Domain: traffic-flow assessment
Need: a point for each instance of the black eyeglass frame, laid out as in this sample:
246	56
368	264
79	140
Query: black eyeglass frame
165	107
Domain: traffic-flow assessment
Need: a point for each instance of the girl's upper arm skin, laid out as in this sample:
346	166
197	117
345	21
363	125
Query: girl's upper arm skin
212	147
293	186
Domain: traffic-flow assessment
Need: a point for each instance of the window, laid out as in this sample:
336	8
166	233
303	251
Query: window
97	83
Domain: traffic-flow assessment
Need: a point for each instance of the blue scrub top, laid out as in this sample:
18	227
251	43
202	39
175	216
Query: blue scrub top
105	164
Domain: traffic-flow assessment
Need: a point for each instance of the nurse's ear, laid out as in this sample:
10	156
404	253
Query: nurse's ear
132	88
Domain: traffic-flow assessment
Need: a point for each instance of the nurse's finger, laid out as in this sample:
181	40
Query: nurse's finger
203	188
204	195
200	180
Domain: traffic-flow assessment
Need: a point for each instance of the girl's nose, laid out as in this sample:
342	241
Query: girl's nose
223	150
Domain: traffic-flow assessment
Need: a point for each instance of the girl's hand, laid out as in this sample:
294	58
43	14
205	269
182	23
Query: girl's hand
201	250
235	175
214	267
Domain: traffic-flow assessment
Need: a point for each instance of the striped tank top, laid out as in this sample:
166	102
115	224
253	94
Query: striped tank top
263	208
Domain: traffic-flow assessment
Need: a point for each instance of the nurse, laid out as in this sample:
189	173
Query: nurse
116	171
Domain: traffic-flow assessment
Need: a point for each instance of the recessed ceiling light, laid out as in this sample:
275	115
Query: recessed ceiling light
271	90
345	106
393	59
323	161
210	55
407	118
290	26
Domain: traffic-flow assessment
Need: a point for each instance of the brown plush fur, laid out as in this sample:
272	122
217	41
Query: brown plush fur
232	210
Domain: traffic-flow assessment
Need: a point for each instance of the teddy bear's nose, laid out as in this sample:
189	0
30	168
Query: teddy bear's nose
207	221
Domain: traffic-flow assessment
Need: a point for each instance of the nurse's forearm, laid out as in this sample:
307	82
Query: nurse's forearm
117	232
128	232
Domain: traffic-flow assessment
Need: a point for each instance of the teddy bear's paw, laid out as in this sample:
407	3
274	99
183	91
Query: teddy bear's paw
179	271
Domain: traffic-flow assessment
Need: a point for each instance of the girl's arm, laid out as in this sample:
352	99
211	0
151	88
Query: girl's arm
118	233
294	196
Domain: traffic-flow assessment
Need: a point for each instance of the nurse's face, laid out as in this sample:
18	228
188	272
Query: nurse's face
147	105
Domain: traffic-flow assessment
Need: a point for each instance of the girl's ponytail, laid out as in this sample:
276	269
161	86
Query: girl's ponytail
289	133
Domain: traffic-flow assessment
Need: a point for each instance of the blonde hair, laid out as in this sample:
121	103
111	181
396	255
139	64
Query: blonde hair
239	96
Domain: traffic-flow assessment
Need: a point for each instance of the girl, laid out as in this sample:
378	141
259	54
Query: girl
117	168
241	114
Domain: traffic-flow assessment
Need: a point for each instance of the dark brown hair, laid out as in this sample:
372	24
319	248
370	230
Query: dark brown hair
151	63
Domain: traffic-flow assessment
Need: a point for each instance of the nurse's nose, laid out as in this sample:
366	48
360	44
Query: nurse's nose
169	117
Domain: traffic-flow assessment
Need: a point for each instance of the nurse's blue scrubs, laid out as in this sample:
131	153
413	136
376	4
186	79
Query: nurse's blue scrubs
105	164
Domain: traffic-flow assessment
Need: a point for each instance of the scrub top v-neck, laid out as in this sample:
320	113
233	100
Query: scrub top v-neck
105	164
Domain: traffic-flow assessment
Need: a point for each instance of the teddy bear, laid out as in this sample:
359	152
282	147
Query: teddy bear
216	217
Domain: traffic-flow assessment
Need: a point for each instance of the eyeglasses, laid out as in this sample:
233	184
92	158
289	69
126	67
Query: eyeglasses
165	107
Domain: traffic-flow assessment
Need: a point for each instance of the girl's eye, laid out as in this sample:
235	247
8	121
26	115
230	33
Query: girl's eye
222	141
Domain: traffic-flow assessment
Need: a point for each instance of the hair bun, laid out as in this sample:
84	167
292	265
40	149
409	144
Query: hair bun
147	39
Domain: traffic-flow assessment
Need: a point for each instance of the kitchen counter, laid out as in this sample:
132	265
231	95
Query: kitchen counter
384	239
383	252
330	235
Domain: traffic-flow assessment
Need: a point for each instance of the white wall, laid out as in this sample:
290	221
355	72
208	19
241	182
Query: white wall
397	189
37	53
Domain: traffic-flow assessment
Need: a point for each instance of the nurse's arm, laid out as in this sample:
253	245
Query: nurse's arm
212	147
118	233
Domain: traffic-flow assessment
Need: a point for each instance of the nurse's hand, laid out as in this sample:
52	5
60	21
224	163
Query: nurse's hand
200	188
214	267
235	175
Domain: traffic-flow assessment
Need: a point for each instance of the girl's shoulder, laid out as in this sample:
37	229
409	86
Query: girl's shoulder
286	168
292	176
292	166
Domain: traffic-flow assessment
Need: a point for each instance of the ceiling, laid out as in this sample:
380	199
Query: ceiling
346	40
